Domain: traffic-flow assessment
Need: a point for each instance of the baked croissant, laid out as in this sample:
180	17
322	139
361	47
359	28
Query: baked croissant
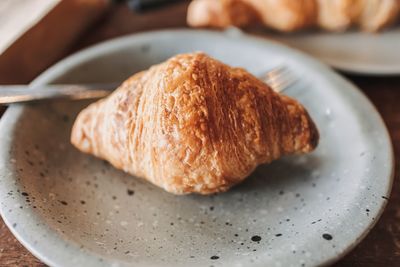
193	125
337	15
369	15
374	15
283	15
290	15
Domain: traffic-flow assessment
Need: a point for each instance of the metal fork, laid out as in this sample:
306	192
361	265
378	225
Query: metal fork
279	79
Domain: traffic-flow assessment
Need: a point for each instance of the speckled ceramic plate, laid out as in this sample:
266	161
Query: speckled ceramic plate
353	51
71	209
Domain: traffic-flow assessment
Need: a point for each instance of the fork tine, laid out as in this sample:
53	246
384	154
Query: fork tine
285	85
275	74
277	69
282	83
279	78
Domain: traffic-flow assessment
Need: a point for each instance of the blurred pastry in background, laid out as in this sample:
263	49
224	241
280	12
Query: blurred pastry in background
288	15
221	14
336	15
285	15
375	15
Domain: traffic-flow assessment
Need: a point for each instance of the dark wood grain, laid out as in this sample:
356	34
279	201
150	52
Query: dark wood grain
380	248
12	253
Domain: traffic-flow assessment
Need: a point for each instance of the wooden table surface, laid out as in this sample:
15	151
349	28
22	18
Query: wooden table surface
380	248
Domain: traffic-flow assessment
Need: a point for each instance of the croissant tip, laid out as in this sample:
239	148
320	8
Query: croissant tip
314	136
311	134
79	133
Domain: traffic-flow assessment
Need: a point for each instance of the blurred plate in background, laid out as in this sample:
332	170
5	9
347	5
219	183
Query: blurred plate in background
355	52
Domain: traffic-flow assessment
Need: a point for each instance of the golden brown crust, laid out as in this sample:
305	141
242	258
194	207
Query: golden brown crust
375	15
337	15
193	124
286	15
221	14
289	15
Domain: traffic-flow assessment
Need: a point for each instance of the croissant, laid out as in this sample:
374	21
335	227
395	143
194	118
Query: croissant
289	15
377	14
369	15
222	13
283	15
193	125
337	15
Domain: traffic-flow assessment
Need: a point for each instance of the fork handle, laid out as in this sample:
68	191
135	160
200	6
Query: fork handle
25	93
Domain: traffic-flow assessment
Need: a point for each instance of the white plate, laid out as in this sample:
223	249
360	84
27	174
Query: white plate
356	52
70	209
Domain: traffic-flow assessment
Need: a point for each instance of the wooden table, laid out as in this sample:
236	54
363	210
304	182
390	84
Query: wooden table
380	248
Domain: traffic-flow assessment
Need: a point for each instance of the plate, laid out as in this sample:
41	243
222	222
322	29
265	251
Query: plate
354	52
71	209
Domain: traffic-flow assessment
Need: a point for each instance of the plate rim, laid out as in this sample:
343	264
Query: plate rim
358	69
82	55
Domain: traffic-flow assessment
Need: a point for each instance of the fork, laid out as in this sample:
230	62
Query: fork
278	78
